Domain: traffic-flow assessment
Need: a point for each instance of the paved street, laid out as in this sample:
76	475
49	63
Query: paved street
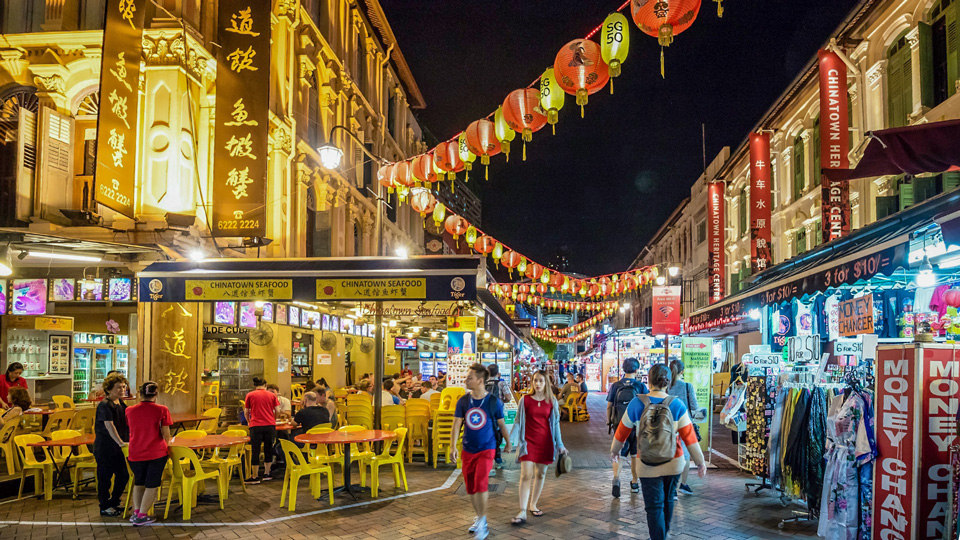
577	505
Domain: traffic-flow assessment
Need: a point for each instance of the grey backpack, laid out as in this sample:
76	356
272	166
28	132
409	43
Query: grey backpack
656	432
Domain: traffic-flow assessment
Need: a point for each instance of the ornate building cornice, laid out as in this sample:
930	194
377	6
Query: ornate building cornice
161	49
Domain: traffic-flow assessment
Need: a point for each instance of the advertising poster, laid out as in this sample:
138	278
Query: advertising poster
267	312
666	311
119	290
697	357
248	315
63	290
225	313
461	347
938	422
29	296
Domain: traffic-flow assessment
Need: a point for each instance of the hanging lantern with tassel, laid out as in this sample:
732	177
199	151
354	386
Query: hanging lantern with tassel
484	245
456	226
503	132
386	176
533	271
422	201
497	253
447	159
471	235
404	174
510	259
545	278
439	214
580	70
615	43
522	112
423	168
466	155
551	97
522	266
664	19
482	141
719	8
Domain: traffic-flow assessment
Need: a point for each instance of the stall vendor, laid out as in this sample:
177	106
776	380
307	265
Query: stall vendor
10	379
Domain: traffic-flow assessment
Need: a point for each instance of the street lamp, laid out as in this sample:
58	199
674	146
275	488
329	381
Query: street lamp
330	156
673	270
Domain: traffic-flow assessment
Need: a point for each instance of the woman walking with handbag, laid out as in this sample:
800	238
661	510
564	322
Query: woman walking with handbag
538	431
684	392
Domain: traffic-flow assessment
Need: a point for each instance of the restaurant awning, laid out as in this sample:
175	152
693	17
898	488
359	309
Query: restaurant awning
310	280
918	149
877	249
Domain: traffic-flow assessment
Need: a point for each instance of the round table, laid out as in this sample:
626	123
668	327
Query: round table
208	441
346	438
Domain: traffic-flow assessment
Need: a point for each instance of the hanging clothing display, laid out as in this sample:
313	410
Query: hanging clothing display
756	437
847	446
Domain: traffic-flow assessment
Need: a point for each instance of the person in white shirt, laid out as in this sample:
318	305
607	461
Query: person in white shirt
426	390
286	408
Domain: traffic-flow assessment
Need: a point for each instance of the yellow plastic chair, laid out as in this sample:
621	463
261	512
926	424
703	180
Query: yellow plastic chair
582	406
385	457
210	426
184	481
57	421
324	454
296	391
435	402
191	434
231	459
297	468
358	452
82	460
442	428
84	420
7	448
392	417
418	429
361	414
212	397
42	471
449	397
64	402
570	405
360	397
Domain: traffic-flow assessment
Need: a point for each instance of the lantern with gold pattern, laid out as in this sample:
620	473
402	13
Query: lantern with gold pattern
580	69
551	97
521	110
482	141
664	19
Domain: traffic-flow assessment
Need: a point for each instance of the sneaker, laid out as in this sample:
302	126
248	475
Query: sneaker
674	497
476	523
616	488
634	487
267	477
251	481
134	515
685	489
482	530
499	464
109	512
142	520
493	472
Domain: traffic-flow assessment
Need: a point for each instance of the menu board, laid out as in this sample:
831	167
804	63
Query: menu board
119	290
59	354
281	313
225	313
248	314
334	323
267	312
29	296
63	290
346	325
91	290
293	316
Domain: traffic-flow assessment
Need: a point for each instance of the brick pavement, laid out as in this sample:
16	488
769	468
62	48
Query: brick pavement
577	505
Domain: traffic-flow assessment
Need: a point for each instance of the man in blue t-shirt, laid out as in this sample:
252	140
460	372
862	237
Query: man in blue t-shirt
481	414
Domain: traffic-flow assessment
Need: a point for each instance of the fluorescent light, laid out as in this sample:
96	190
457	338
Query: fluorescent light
402	252
59	255
393	323
926	277
197	255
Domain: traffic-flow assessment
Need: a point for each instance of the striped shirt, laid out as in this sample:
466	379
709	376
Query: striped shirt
685	432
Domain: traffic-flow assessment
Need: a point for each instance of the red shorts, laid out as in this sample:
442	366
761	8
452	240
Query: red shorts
476	470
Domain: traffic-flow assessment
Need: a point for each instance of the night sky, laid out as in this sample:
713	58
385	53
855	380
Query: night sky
604	184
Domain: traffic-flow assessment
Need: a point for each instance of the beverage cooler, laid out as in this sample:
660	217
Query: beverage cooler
43	345
301	364
95	355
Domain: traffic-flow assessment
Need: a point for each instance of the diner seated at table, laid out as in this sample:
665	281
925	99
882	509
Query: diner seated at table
18	401
9	380
286	408
390	394
312	413
365	386
327	401
425	391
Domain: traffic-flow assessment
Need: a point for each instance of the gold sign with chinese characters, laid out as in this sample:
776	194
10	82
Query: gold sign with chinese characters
238	289
240	138
115	174
174	350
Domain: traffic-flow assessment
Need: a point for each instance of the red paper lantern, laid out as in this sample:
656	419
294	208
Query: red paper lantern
593	289
386	175
447	159
423	168
556	280
522	112
525	288
664	19
580	69
522	297
422	201
482	141
534	271
455	225
510	259
505	289
404	173
541	288
484	245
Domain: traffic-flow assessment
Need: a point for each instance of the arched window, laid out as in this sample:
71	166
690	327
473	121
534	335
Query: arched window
799	167
899	82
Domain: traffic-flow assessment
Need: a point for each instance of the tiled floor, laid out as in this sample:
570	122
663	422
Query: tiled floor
578	505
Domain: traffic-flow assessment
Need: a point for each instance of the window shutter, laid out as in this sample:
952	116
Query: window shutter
816	152
26	162
906	196
895	114
798	165
819	232
906	81
55	176
924	188
951	180
953	47
743	211
926	65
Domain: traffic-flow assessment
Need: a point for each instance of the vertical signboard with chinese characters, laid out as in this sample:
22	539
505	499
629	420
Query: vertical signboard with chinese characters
715	240
243	85
175	353
115	175
760	254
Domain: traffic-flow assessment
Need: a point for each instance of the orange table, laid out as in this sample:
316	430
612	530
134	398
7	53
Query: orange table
44	412
208	441
179	419
101	398
346	438
72	442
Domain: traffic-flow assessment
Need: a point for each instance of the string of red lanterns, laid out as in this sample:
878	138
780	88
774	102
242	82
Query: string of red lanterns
580	326
521	292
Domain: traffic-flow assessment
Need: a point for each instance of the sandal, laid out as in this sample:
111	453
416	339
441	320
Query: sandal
517	521
538	513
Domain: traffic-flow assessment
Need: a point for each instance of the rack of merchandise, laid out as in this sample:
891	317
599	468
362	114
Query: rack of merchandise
300	364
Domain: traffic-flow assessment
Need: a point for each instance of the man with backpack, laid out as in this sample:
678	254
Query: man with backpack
496	386
619	396
661	424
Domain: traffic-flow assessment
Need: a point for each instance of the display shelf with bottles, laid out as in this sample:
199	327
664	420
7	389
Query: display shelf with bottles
102	364
82	359
300	365
120	362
